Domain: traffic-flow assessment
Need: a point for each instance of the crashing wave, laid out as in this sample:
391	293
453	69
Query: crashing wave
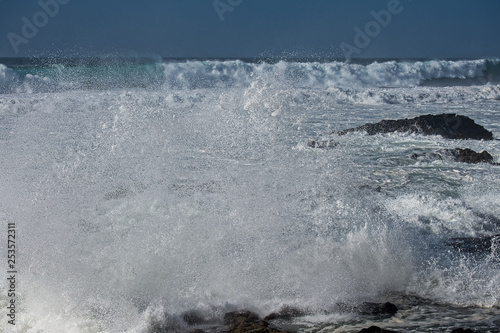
374	80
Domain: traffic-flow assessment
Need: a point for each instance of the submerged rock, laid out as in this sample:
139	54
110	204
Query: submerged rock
322	144
462	330
374	311
460	155
448	125
379	310
246	321
375	329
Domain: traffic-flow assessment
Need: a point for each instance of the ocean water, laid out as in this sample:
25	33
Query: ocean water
143	189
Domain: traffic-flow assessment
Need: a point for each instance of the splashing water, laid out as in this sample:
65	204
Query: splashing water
135	204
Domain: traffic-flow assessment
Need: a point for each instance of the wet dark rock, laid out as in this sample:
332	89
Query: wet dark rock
373	188
470	156
373	311
286	313
324	144
458	154
428	156
375	329
193	318
246	321
448	125
462	330
234	317
379	310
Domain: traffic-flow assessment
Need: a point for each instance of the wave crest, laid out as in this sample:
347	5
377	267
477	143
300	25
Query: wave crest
358	79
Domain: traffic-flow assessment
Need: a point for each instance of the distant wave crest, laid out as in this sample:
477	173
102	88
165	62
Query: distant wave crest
332	74
215	74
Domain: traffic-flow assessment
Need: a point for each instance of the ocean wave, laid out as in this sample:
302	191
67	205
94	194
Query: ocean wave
336	74
370	78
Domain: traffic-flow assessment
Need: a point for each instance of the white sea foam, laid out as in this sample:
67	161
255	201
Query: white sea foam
137	204
8	79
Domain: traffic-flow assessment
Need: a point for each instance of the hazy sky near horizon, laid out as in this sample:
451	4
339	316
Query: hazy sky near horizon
251	28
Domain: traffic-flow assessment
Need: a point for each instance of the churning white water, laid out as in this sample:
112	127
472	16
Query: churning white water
135	204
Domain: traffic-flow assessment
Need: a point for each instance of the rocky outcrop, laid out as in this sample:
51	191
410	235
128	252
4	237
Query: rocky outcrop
448	125
470	156
246	321
458	154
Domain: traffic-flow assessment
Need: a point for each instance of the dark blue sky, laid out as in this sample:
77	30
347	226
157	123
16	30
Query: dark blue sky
251	28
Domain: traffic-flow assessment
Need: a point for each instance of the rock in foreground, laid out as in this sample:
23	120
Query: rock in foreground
379	310
246	321
448	125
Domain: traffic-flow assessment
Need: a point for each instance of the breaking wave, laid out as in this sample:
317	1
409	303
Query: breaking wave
210	74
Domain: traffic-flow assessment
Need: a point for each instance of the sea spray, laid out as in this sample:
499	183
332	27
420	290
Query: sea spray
137	204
